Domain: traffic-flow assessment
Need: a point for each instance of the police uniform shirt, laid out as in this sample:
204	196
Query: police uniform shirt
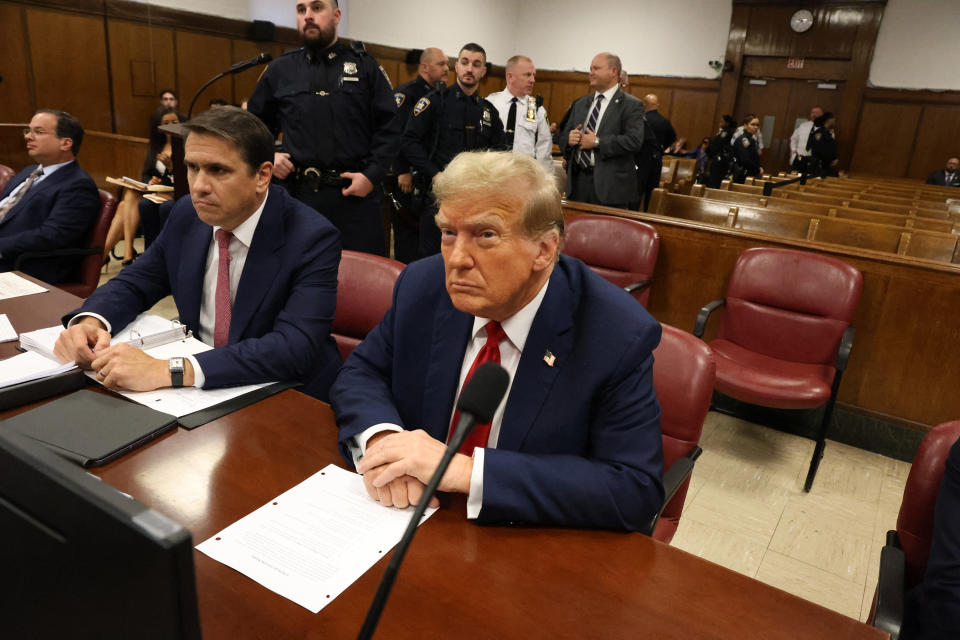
406	96
446	122
531	135
335	109
757	138
746	153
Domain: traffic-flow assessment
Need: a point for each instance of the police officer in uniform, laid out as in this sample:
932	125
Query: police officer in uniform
746	154
823	147
720	152
336	110
405	218
443	124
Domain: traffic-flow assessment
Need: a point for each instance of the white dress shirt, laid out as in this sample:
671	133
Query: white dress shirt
531	138
798	141
517	328
607	97
239	248
47	172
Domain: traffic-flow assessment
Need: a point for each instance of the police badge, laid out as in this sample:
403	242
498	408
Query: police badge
350	68
487	121
422	104
399	96
817	136
531	109
745	142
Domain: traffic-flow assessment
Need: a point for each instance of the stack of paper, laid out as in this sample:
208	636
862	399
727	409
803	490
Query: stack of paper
145	331
29	366
13	286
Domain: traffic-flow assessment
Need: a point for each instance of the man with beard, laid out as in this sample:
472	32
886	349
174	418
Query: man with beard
406	224
444	123
334	106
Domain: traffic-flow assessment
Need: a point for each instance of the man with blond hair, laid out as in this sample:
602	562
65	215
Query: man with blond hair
524	118
576	442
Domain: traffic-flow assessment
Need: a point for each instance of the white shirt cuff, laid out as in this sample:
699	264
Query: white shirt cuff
475	497
75	319
198	377
358	444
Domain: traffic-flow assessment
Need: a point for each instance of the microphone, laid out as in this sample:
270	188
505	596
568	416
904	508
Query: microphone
477	404
237	67
263	58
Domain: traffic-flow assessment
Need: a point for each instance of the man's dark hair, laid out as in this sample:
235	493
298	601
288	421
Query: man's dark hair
475	48
218	102
822	120
245	130
728	121
67	127
170	91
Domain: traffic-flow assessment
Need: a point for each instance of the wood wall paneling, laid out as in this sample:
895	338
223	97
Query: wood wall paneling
13	153
730	80
831	36
692	114
244	82
16	104
199	58
142	62
69	56
938	138
885	138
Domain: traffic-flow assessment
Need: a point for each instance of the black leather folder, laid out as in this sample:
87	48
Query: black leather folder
91	428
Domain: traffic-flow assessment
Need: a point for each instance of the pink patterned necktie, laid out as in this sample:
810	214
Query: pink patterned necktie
490	352
221	325
16	198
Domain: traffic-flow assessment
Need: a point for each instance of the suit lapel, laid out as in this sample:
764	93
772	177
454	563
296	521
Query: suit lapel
61	174
611	117
451	332
261	266
190	272
551	331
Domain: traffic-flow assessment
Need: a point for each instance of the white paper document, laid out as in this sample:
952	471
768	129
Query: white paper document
7	332
13	286
313	541
29	366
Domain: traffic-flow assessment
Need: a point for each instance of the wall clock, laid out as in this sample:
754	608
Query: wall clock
801	21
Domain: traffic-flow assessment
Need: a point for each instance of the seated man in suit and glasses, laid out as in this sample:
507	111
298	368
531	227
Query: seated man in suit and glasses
253	273
576	442
49	205
948	176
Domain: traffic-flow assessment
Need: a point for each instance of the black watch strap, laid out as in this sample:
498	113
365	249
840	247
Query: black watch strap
176	372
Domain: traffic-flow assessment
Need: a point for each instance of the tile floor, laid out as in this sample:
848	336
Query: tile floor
746	509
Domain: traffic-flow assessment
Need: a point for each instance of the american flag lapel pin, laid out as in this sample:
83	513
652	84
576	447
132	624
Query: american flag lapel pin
549	358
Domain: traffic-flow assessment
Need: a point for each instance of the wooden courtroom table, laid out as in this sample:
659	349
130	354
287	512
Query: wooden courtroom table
458	579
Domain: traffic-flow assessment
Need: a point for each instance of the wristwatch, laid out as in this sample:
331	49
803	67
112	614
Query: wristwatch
176	372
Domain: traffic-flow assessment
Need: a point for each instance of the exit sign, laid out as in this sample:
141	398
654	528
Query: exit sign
794	63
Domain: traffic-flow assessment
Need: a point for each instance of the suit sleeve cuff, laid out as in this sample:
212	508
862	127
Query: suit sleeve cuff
357	445
198	377
77	318
475	497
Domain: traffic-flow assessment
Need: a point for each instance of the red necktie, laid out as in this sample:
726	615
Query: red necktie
489	353
221	324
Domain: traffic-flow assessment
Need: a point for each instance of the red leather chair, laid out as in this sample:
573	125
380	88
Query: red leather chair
364	294
5	174
88	273
683	374
622	250
785	336
903	561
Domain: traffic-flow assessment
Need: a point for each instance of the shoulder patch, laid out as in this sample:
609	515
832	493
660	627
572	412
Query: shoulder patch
421	106
385	76
399	96
745	141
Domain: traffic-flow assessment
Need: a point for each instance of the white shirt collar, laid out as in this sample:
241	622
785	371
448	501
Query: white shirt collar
608	94
245	230
517	326
519	98
49	169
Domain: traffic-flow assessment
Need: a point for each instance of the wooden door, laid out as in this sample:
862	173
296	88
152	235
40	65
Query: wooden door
781	104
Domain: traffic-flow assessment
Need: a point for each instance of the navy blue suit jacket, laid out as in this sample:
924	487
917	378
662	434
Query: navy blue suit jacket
280	321
56	213
932	608
580	441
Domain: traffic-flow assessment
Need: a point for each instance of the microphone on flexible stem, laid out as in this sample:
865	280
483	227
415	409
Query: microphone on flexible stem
477	404
237	67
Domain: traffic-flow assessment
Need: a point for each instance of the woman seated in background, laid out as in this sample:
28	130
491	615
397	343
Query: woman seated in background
157	169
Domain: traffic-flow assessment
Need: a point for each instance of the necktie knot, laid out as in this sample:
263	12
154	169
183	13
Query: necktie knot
223	239
495	333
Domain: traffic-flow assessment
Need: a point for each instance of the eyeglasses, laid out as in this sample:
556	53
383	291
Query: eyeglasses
36	132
